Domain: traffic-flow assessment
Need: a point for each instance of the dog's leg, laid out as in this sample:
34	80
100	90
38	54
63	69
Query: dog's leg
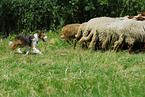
11	52
19	51
36	51
14	46
28	51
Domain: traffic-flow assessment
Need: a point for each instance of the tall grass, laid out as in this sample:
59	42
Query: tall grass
62	71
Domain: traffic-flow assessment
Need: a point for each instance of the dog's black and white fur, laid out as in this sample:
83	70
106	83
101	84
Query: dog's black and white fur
29	42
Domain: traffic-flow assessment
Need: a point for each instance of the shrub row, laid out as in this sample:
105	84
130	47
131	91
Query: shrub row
16	15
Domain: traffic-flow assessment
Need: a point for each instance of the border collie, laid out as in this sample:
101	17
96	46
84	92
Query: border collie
29	42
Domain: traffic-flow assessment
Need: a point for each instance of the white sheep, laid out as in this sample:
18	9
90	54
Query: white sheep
80	33
96	26
125	31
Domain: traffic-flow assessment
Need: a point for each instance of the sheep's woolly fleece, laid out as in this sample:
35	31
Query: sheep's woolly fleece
130	30
97	27
70	30
81	30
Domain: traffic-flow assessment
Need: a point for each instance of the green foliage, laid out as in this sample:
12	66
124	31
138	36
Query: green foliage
16	15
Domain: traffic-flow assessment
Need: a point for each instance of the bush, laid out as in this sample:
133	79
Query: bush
16	15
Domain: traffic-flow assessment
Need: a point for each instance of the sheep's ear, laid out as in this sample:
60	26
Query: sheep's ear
142	13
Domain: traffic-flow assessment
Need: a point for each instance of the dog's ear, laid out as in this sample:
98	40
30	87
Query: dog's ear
44	28
31	37
39	32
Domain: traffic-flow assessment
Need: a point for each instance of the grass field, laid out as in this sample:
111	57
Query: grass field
64	72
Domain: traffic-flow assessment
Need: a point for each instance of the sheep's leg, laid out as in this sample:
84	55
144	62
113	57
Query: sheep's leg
118	43
86	38
78	35
106	43
84	46
85	33
130	48
94	38
77	38
71	40
68	41
144	47
75	43
97	44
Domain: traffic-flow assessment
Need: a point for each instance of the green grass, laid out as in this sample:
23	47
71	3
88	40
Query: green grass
64	72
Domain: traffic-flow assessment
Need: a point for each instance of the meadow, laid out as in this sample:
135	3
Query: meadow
64	72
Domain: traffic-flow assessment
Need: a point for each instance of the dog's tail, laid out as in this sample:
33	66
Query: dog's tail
10	44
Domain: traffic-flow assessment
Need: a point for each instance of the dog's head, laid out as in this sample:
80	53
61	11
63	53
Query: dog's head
41	35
